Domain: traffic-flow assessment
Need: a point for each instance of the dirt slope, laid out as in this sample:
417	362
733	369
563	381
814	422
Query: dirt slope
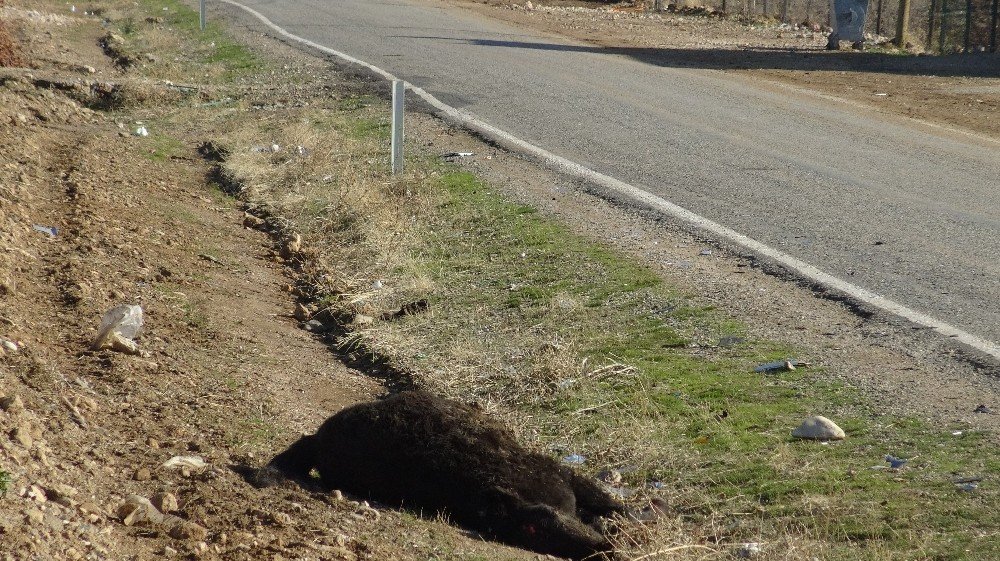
225	368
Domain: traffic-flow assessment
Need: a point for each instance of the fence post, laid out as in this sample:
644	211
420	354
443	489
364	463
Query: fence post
993	27
398	90
902	23
657	5
201	14
784	12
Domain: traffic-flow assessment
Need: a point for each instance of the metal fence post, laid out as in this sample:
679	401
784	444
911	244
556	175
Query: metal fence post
398	90
201	14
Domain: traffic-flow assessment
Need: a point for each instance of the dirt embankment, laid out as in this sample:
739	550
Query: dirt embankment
93	216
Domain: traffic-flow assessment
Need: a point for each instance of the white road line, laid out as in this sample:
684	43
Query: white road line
650	200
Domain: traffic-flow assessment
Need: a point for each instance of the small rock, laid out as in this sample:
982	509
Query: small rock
9	345
22	435
62	494
252	222
37	494
819	428
184	530
34	516
137	509
12	404
142	474
337	495
292	247
302	313
165	502
315	326
153	443
281	519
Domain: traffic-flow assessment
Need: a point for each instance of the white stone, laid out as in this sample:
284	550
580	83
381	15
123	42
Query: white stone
819	428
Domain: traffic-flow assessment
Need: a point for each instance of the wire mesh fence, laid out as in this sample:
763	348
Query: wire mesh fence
945	26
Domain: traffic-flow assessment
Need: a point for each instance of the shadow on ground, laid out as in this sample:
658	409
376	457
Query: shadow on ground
983	65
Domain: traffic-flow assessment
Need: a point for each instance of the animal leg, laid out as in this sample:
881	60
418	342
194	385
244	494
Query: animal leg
592	501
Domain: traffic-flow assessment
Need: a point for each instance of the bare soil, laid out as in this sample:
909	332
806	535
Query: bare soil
228	372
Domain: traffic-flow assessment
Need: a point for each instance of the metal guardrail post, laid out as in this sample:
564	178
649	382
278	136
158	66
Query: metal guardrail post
398	91
201	14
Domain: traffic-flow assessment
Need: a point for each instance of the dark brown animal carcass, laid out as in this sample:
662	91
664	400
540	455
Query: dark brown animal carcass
428	453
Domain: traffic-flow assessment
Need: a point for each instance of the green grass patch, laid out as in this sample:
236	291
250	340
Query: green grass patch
212	46
684	411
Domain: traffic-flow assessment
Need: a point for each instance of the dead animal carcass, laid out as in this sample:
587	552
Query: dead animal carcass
428	453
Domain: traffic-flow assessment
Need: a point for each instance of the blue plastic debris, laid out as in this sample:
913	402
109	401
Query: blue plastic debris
894	462
52	231
574	459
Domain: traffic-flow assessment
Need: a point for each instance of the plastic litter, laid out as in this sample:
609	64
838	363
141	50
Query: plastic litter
780	366
983	409
574	459
119	326
141	131
705	252
190	462
894	462
50	230
748	550
454	155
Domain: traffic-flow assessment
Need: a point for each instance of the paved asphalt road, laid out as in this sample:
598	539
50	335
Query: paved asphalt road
908	213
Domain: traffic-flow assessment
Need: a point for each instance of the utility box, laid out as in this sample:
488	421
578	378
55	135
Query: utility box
848	22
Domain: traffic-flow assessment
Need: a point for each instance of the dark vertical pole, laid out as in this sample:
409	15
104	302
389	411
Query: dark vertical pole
808	11
968	24
765	8
942	41
993	26
784	11
878	18
724	10
930	24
